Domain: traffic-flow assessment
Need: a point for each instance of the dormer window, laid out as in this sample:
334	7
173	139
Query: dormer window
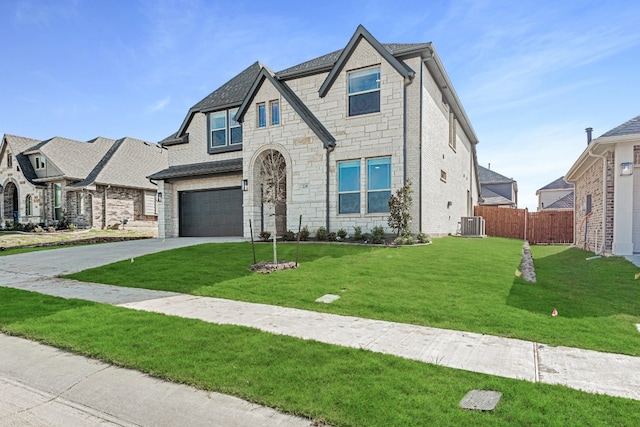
224	130
9	161
40	162
364	91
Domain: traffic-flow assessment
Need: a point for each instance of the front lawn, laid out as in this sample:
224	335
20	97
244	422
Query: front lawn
463	284
341	386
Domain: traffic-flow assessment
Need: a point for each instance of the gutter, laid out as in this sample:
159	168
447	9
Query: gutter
604	199
329	150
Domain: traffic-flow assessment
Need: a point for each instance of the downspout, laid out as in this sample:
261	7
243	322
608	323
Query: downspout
104	207
420	175
604	200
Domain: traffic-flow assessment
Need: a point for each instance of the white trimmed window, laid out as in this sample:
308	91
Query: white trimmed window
364	91
9	161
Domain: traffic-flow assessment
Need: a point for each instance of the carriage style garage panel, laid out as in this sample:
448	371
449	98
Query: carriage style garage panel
211	213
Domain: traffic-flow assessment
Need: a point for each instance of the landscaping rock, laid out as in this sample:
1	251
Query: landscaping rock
526	264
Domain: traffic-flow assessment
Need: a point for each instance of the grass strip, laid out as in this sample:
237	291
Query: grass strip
461	284
341	386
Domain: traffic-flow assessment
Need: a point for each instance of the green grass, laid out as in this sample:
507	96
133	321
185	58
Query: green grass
462	284
15	251
344	387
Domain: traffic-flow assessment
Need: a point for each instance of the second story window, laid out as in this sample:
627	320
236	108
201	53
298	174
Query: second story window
224	129
275	112
262	115
364	91
9	161
40	162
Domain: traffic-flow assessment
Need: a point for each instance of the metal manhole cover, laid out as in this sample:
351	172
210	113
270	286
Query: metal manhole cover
481	400
328	298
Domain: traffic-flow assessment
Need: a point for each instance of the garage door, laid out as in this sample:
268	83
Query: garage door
211	213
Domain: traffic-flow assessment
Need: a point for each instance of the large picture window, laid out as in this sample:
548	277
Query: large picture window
378	185
349	187
224	129
364	91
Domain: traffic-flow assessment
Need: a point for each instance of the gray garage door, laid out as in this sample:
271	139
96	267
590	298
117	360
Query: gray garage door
211	213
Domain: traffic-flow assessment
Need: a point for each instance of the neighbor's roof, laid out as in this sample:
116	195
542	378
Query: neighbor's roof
491	198
558	184
631	127
487	176
127	164
199	169
565	202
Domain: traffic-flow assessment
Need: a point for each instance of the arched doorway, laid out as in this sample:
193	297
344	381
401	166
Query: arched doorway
11	206
272	173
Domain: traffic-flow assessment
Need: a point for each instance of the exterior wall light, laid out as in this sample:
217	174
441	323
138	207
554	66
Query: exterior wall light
159	196
626	168
245	184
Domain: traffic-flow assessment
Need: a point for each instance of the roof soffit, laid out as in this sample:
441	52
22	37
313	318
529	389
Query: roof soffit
362	33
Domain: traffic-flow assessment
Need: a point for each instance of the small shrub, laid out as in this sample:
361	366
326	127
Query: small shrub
29	227
332	237
423	238
404	240
342	234
289	236
321	234
304	234
264	235
63	223
357	234
73	227
377	235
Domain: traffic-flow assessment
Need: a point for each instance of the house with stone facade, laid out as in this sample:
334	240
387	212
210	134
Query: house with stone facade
348	128
496	189
100	183
555	196
606	178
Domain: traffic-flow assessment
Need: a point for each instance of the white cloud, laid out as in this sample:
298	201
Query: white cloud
158	105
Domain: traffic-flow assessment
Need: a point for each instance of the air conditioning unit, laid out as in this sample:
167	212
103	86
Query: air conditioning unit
472	226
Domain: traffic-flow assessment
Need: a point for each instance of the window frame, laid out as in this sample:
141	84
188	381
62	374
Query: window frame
342	165
352	95
261	115
230	125
28	205
386	189
9	161
275	113
57	201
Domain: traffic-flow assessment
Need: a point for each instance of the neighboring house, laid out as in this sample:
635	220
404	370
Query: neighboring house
96	184
497	190
349	129
606	177
557	195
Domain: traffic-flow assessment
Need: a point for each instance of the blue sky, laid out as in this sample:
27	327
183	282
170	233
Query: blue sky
531	75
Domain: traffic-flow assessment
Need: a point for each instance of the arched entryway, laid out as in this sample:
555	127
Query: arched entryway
271	191
11	206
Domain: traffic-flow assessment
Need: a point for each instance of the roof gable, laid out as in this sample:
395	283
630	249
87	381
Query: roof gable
558	184
298	106
565	202
487	176
362	33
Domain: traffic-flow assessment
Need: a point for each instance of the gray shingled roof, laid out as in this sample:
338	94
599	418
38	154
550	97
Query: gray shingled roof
558	184
487	176
631	127
75	159
565	202
127	164
199	169
490	198
232	92
325	62
18	145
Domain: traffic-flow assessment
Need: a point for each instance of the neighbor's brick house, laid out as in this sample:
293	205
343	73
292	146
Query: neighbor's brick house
96	184
352	127
606	177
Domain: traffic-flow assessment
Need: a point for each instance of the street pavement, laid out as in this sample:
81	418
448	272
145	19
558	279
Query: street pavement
594	372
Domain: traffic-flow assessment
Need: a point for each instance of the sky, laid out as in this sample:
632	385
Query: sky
531	75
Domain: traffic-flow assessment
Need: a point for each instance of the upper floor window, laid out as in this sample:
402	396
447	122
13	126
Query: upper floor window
9	161
224	129
452	130
40	162
364	91
262	115
275	112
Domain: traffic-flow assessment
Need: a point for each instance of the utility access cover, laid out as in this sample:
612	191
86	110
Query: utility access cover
481	400
328	298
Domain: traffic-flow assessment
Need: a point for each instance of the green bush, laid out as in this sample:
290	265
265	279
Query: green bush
423	238
357	234
264	235
321	234
304	233
404	240
342	234
332	237
289	236
377	235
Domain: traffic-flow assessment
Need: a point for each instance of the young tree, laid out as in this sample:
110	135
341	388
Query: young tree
274	180
399	206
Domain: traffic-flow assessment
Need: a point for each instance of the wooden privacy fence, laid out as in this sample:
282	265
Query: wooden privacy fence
541	227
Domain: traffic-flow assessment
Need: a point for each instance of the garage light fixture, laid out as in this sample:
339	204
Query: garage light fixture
626	168
245	184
